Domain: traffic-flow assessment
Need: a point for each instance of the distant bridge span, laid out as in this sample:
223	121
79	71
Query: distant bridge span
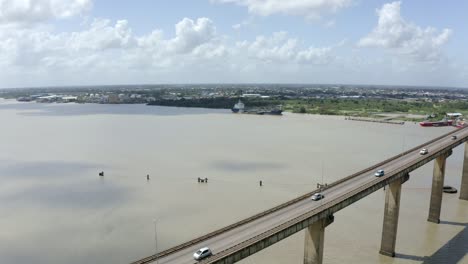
244	238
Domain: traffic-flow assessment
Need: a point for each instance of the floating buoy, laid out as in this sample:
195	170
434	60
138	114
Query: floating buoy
147	177
203	180
261	183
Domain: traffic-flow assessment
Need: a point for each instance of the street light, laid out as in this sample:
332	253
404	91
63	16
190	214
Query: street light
156	237
403	143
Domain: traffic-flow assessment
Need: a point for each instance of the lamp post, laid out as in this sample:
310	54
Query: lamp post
322	176
156	237
403	143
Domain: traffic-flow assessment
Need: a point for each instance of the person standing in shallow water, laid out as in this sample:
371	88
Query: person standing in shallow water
147	177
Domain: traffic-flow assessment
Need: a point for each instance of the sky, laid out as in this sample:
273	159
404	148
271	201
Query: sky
105	42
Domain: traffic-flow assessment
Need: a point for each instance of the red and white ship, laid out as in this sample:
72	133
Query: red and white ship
436	123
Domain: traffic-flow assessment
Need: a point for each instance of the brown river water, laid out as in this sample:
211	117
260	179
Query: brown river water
54	208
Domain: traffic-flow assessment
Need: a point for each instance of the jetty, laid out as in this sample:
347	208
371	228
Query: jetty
385	121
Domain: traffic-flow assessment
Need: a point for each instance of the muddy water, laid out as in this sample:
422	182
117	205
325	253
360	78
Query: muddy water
54	208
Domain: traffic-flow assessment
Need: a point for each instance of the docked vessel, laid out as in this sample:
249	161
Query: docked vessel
461	124
240	108
436	123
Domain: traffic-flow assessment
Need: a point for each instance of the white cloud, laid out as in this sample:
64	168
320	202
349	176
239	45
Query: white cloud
102	36
38	47
330	24
244	24
191	34
307	8
316	55
104	49
105	52
237	26
404	38
33	11
104	43
280	49
193	40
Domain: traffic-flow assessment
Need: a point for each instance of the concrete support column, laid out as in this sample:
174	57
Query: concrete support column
437	189
464	182
314	241
390	222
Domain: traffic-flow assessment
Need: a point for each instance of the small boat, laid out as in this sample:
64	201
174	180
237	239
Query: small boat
436	123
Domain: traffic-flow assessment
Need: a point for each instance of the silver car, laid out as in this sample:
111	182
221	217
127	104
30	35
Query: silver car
202	253
317	196
379	173
423	151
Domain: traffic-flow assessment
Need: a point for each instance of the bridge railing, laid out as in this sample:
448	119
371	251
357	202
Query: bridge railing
281	206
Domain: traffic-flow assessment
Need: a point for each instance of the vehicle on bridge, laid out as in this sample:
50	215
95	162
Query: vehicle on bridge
202	253
379	173
423	151
454	137
317	196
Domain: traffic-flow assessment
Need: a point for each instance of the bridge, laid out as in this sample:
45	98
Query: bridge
244	238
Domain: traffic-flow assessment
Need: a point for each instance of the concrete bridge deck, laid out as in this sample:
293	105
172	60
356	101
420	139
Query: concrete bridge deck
254	234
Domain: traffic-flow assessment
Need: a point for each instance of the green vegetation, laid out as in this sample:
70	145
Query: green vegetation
334	106
371	107
219	102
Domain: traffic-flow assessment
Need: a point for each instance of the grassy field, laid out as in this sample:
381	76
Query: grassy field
405	110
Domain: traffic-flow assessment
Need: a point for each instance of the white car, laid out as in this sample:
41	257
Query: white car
317	196
202	253
379	173
423	151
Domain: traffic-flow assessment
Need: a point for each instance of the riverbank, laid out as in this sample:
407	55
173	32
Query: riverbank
401	110
378	109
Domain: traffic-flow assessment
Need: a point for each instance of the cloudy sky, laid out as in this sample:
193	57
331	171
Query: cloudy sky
85	42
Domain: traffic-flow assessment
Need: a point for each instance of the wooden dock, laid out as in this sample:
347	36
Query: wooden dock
374	120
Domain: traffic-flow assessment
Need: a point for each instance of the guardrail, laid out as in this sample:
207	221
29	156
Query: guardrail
328	205
281	206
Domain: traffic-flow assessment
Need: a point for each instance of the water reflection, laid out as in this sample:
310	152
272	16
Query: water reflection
59	184
70	196
242	166
451	252
46	169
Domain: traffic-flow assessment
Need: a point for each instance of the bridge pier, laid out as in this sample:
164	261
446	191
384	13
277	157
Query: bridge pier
314	241
464	181
437	188
391	213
